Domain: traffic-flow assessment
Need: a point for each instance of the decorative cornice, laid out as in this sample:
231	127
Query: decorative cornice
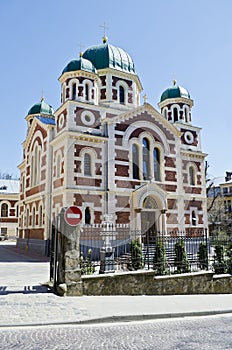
146	107
193	154
78	73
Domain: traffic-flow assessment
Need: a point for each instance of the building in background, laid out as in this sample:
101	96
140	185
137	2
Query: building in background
220	206
9	197
111	155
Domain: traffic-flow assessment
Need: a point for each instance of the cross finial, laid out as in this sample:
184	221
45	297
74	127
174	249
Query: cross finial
42	97
81	46
104	37
145	98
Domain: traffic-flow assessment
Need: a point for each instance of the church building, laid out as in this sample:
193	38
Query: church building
111	155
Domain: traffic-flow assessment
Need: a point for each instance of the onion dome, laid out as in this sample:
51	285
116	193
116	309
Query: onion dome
41	108
80	64
109	56
174	91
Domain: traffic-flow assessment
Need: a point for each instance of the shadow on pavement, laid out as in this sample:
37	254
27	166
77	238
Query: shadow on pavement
11	253
4	290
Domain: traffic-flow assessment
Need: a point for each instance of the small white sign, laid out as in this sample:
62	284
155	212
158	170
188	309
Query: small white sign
73	216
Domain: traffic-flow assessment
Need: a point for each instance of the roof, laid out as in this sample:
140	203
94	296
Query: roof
9	186
174	92
50	121
41	108
79	64
109	56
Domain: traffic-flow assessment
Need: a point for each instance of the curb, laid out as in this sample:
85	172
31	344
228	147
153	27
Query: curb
121	319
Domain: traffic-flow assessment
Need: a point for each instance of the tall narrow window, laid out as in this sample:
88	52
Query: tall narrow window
87	164
63	94
165	114
87	92
121	94
186	114
74	91
175	113
38	166
32	171
28	218
194	218
87	216
58	166
135	160
35	166
33	217
4	210
191	176
40	216
156	158
146	165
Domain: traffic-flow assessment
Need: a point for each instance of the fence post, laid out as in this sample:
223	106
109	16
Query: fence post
207	247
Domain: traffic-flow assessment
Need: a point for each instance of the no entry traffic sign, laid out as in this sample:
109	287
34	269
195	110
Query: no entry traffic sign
73	215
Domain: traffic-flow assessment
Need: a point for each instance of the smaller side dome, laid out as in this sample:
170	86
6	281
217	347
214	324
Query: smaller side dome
41	108
174	91
79	64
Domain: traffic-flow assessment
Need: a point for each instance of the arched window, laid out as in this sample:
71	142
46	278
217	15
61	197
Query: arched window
194	218
58	166
165	114
135	160
156	159
4	210
87	92
121	94
87	164
27	218
33	217
40	216
192	181
74	91
87	216
63	94
32	171
186	114
35	166
175	114
146	161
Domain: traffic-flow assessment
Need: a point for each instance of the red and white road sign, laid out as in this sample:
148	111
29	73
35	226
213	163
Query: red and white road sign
73	215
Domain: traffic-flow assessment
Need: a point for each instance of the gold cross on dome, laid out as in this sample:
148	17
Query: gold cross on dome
81	46
104	27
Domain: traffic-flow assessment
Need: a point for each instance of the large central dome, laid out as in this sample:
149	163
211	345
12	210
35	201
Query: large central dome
109	56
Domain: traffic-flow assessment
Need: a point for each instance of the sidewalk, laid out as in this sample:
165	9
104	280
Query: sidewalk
25	302
37	307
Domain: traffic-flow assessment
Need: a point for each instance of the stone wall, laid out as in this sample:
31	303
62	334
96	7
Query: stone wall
146	283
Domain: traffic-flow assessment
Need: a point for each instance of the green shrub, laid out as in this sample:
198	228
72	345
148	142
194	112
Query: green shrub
219	263
181	259
136	254
203	256
159	260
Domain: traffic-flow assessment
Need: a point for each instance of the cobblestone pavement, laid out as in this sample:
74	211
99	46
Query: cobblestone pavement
204	333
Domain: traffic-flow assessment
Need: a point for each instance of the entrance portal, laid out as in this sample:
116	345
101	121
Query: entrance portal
150	224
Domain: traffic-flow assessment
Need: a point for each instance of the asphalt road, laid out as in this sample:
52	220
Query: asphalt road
203	333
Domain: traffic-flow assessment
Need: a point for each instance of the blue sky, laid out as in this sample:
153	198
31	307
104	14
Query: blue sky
186	40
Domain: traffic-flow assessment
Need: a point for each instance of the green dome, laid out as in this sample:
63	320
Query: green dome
41	108
80	64
174	92
109	56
